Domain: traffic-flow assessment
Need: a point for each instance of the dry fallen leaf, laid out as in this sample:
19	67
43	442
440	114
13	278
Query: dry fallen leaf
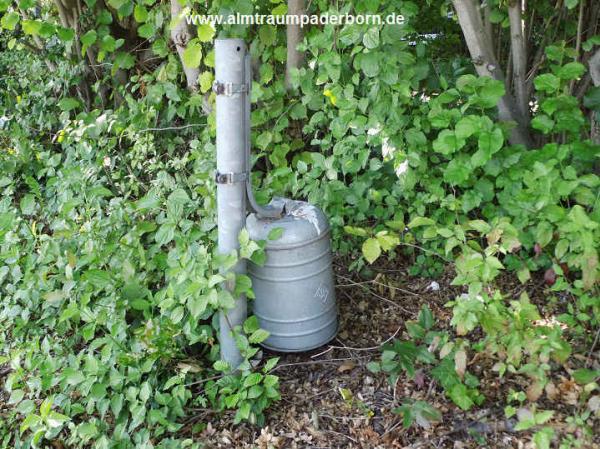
266	440
569	391
460	362
594	404
348	365
551	391
534	391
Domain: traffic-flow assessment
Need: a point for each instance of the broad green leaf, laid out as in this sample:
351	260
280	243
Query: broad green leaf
146	31
140	13
192	55
420	221
89	38
31	27
27	204
371	38
9	20
571	71
547	82
585	376
570	4
460	396
275	233
165	233
178	196
371	250
206	80
206	33
98	278
542	123
68	103
369	64
447	142
258	336
467	126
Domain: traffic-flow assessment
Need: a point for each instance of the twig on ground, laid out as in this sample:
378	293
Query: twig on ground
371	348
313	362
342	434
591	351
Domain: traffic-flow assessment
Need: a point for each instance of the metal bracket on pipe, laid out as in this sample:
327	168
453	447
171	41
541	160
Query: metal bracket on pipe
229	89
231	178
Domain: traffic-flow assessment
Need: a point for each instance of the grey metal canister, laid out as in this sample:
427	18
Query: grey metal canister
294	289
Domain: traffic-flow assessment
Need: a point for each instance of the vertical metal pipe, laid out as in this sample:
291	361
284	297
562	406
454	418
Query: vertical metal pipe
231	175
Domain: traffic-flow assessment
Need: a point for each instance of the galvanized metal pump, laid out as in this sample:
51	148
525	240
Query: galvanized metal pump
294	289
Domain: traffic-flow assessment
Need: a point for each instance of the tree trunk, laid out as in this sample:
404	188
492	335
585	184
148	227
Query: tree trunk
181	34
486	65
519	58
594	63
295	35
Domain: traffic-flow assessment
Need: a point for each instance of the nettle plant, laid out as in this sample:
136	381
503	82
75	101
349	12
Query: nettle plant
468	168
429	353
110	280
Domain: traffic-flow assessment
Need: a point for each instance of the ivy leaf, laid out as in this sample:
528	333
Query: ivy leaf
65	34
192	55
140	13
460	396
179	196
165	233
585	376
146	31
447	142
491	142
31	27
206	80
27	204
10	20
275	233
457	171
543	437
371	250
570	4
98	278
258	336
571	71
542	123
420	221
369	64
547	82
88	38
467	126
68	104
205	32
371	38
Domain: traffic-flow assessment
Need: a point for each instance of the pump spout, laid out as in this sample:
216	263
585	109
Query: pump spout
275	208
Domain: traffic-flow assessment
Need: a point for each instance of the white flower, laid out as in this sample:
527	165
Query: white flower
434	286
374	131
402	168
387	149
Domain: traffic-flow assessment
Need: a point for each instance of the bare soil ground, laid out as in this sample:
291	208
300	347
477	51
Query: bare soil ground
314	414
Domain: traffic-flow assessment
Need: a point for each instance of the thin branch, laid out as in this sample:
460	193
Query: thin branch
294	35
578	41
